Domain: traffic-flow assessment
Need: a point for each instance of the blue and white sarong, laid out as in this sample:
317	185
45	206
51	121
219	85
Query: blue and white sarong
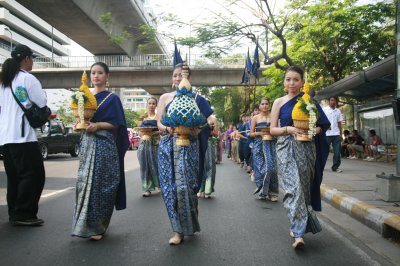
178	170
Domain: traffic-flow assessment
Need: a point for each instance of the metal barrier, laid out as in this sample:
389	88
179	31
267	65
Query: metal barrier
129	61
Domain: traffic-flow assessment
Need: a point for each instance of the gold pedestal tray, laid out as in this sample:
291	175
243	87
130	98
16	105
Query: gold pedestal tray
146	131
87	114
267	135
302	124
183	135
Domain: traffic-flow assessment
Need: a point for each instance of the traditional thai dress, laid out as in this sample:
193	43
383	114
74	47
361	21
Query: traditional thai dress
264	163
147	156
210	169
228	142
101	179
179	168
296	169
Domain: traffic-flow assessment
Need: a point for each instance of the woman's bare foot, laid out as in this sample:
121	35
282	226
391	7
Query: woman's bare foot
298	243
96	237
176	239
146	194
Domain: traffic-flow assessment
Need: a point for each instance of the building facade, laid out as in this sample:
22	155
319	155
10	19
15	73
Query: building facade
19	25
134	99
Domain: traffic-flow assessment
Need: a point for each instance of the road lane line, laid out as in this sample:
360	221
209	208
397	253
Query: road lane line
56	192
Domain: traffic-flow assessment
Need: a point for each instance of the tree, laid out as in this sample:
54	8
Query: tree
64	113
227	103
132	117
332	38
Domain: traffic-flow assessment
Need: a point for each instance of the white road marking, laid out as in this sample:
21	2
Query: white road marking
56	192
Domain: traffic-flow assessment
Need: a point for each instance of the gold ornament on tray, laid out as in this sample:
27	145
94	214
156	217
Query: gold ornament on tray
305	115
83	104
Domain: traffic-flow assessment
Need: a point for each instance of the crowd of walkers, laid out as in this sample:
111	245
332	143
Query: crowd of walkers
264	144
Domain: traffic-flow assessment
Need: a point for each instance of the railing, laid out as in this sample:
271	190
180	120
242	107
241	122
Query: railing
129	61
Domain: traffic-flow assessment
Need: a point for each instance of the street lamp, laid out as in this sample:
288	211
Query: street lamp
7	29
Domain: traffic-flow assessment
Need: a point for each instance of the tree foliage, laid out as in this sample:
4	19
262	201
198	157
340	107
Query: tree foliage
132	117
332	39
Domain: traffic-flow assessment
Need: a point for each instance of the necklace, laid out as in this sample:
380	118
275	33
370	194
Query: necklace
152	117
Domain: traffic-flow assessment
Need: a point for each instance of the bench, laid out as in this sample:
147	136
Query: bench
389	151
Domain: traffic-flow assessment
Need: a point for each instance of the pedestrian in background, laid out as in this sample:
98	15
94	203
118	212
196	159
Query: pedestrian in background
297	160
148	149
181	176
264	156
210	169
333	134
101	177
22	158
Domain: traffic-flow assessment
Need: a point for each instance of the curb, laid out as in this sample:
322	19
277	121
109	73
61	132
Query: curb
385	223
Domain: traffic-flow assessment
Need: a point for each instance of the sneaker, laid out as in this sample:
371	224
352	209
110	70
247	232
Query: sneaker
367	158
353	157
371	159
338	170
29	222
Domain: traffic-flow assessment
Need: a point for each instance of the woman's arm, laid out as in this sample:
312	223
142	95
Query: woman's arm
160	111
253	132
274	129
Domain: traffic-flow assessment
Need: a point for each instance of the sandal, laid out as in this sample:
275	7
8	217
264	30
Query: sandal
146	194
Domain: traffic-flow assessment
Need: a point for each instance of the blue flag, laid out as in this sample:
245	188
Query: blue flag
256	63
245	78
249	65
177	57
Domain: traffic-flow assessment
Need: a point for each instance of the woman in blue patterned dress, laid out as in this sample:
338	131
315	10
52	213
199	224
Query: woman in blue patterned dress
210	169
147	151
296	160
180	167
101	179
264	156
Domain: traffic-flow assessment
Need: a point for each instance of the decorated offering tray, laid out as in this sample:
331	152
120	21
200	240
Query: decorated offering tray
146	131
265	129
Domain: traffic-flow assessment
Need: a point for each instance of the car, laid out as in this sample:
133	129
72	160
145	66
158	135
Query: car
54	137
134	139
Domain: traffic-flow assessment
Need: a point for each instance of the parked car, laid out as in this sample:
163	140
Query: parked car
54	137
134	139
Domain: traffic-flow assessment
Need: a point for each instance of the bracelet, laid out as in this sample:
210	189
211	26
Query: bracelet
98	125
166	129
285	131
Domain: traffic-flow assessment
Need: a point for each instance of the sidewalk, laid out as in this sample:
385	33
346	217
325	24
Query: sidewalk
353	191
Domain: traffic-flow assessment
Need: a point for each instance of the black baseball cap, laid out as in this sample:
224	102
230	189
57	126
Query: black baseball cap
21	51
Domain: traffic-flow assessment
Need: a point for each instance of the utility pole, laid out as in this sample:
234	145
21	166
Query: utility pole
397	86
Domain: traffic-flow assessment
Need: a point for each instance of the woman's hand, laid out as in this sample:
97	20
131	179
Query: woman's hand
92	127
296	131
195	131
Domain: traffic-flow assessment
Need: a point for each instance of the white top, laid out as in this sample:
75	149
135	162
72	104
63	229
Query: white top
28	89
334	116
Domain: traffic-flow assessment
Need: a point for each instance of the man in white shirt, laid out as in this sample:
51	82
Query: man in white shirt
333	133
22	158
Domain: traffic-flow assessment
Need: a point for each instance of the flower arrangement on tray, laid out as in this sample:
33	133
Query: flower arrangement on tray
83	104
183	114
305	114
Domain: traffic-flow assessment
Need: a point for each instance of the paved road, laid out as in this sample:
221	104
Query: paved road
237	229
